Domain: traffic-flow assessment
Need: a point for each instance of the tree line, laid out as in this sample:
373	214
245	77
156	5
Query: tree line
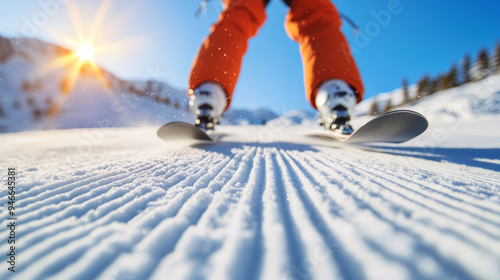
486	64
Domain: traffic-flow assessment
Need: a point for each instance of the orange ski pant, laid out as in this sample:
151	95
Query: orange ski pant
314	24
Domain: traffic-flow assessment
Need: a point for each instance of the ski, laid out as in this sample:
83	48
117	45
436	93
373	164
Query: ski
180	131
393	127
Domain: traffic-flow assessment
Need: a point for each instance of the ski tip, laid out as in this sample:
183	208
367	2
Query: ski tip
393	127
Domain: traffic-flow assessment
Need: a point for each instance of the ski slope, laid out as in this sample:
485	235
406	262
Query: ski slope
265	202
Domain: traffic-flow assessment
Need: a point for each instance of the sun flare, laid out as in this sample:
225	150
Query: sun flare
87	44
85	52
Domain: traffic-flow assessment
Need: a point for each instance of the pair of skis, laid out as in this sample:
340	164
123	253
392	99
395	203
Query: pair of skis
392	127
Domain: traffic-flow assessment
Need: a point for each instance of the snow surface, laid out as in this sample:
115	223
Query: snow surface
266	202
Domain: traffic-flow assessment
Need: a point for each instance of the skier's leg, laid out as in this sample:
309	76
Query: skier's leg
315	25
220	56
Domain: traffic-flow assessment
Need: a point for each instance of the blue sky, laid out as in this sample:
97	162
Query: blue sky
160	38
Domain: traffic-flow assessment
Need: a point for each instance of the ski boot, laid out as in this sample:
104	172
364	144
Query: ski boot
207	102
335	102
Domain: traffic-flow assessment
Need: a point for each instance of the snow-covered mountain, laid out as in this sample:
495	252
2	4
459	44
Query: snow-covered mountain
42	87
465	103
248	117
296	117
470	101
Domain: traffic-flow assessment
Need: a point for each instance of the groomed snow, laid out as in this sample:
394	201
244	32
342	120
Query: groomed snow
264	203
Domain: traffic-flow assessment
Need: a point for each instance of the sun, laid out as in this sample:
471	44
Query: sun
85	45
85	52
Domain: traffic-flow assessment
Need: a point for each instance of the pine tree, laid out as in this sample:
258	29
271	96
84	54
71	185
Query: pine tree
388	106
466	69
433	86
444	83
374	107
496	67
452	78
422	88
406	93
483	64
